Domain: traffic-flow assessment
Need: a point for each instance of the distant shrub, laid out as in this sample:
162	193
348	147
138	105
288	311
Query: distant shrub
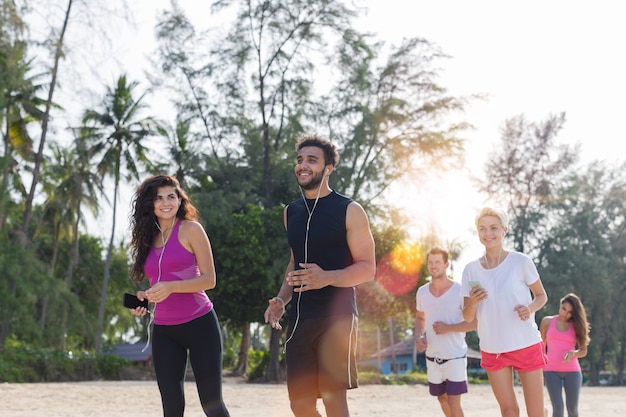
23	363
258	361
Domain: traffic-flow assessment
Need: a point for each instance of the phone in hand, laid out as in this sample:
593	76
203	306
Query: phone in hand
131	301
475	284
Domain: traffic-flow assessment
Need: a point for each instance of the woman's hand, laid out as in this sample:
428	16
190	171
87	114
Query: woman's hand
139	311
158	293
523	312
478	294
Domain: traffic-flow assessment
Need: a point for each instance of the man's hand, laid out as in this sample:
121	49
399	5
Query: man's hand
310	277
274	312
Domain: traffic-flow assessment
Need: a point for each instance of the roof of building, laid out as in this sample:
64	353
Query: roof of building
133	352
405	348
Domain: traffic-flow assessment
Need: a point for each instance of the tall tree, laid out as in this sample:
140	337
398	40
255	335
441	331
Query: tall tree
71	183
265	83
19	104
118	133
58	53
584	253
183	158
524	172
248	273
389	115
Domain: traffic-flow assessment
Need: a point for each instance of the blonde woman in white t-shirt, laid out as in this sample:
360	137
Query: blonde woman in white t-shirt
497	290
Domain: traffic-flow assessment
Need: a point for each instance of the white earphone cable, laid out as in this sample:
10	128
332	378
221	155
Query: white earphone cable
306	254
153	312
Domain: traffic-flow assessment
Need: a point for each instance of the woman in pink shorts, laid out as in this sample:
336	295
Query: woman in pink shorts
497	291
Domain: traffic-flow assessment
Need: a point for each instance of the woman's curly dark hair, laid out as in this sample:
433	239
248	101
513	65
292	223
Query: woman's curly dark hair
144	222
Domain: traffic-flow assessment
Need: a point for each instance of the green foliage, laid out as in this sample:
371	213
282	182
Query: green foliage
258	361
373	377
21	362
24	279
477	376
583	254
252	273
525	172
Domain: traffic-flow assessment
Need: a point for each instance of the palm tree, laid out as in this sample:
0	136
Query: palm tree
183	151
70	184
58	54
19	106
118	134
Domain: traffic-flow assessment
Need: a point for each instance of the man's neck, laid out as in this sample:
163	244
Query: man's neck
313	194
441	281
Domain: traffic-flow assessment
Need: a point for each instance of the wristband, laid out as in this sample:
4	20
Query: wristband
281	301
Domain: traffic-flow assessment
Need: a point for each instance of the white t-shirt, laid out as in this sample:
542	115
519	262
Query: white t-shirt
499	327
447	308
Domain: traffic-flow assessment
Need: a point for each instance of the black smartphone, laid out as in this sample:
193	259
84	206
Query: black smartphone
131	301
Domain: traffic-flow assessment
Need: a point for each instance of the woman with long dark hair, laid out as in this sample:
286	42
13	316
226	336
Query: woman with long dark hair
173	251
566	336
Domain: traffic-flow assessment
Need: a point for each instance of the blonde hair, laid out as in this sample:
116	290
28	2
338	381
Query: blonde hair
493	211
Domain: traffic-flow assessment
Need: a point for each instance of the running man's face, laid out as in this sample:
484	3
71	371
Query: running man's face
436	266
310	167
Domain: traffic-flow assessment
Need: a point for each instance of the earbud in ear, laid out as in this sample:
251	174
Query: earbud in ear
327	171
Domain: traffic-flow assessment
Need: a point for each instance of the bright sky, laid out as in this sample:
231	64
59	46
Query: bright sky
532	57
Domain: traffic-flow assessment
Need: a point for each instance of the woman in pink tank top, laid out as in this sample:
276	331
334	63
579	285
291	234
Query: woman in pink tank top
171	249
566	337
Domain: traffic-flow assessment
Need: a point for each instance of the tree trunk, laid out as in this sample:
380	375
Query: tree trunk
107	270
378	347
58	53
242	358
74	254
619	363
394	365
274	373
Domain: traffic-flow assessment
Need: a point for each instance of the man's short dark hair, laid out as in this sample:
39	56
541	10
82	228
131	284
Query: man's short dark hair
331	156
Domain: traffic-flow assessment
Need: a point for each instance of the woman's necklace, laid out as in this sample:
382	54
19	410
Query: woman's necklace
497	261
165	238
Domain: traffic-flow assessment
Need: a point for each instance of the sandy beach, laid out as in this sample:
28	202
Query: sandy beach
141	398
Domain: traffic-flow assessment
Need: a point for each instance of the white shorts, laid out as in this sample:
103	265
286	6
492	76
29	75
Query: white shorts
447	376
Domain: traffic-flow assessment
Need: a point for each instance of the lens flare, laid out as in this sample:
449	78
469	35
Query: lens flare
398	271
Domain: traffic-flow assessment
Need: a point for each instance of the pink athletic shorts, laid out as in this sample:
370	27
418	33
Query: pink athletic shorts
527	359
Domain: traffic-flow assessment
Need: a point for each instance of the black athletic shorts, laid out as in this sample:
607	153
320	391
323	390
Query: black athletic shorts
321	356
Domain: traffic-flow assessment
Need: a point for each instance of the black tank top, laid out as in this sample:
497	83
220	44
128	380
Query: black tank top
327	247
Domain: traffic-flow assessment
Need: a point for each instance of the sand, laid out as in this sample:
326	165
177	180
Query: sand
141	398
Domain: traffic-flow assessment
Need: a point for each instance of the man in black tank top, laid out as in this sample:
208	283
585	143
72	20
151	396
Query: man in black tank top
332	251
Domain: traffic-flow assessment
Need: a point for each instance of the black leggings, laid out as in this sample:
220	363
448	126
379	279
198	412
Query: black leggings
202	339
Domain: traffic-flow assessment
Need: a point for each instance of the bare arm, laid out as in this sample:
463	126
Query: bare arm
276	307
193	237
470	303
544	326
420	328
540	299
440	327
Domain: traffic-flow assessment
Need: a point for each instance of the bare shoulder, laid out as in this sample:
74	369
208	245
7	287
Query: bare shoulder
355	212
191	225
191	228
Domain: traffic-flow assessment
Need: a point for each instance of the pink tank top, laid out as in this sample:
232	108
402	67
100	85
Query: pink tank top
171	263
559	343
